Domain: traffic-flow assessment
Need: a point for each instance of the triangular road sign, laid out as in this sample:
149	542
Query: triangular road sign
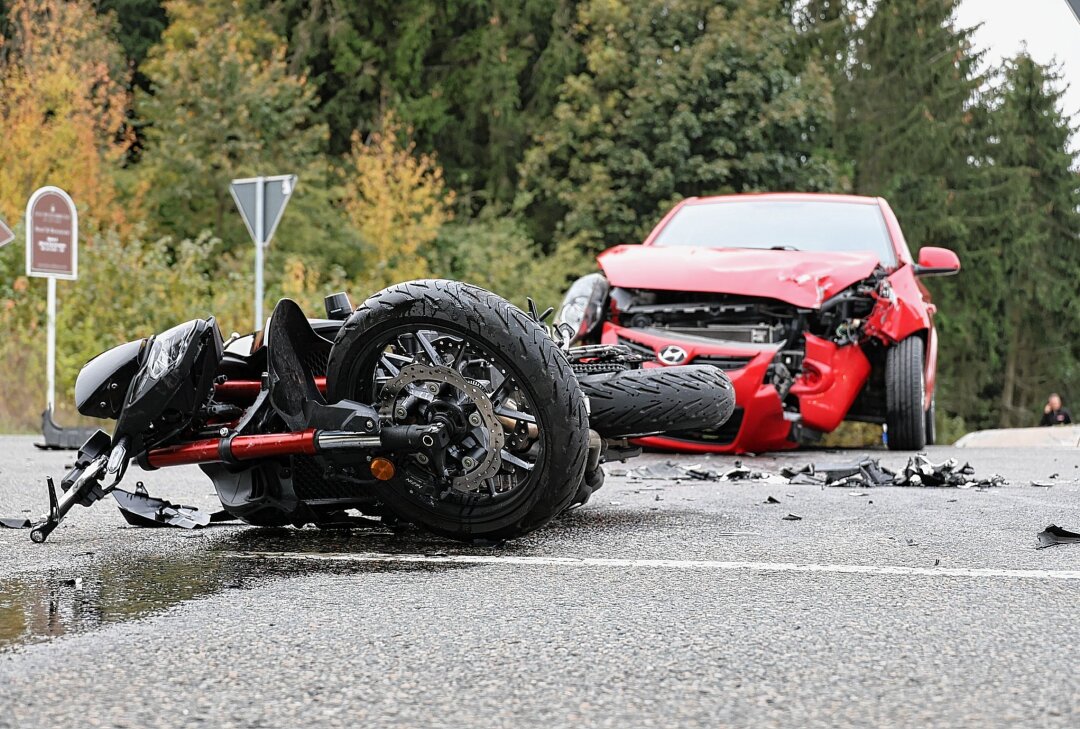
6	236
276	193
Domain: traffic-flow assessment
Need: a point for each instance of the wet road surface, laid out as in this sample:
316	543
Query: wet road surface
659	604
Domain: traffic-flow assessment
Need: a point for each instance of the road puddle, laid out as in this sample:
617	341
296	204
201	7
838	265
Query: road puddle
44	605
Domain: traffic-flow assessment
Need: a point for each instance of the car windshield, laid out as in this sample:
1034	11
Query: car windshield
784	225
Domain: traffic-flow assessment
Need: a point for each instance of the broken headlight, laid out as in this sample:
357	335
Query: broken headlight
166	350
583	306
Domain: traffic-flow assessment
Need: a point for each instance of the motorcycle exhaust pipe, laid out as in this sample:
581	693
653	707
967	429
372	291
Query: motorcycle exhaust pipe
239	448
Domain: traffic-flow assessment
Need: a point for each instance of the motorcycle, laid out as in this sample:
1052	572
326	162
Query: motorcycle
434	402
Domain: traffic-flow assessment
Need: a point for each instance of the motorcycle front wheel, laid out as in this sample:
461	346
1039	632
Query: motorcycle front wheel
442	350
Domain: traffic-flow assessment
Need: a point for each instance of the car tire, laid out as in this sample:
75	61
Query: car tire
904	395
658	400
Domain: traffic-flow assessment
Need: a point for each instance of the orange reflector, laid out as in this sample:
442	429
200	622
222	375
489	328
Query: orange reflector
382	469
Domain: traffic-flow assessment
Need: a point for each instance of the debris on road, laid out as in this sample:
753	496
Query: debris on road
1054	535
869	472
15	522
865	473
673	471
791	517
1042	484
772	500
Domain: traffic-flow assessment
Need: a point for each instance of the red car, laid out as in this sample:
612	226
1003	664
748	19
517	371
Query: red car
811	303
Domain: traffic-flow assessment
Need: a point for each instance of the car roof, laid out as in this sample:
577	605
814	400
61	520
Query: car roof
784	197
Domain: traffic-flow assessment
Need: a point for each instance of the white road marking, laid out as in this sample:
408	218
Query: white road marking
669	564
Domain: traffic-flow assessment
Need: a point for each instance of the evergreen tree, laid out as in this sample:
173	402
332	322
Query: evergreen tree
139	25
677	98
1030	238
471	77
908	126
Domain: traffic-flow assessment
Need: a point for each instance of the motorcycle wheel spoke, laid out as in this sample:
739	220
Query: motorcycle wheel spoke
515	415
510	458
433	357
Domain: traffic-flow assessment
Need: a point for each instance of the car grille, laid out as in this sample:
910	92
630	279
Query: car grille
724	362
638	348
724	435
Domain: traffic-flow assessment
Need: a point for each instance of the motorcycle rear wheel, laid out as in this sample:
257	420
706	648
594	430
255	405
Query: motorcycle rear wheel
454	325
658	400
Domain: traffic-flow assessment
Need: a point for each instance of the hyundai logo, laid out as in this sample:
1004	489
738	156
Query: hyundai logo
673	355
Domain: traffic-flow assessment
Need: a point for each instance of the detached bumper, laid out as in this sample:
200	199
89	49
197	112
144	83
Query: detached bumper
831	379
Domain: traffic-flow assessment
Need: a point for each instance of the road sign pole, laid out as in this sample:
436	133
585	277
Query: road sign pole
260	196
50	347
261	201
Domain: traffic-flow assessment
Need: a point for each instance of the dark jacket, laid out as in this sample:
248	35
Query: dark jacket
1056	417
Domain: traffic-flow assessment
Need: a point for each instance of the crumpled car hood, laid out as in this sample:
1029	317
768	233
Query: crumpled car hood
801	278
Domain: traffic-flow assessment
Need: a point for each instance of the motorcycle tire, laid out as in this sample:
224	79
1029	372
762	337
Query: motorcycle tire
658	400
539	369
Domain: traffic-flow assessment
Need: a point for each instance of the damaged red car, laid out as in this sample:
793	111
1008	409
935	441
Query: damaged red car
812	304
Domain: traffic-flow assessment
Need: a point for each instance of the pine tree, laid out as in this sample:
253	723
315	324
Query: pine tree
908	127
676	98
1033	233
471	77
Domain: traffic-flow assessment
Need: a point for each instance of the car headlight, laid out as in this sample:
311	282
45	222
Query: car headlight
166	351
583	306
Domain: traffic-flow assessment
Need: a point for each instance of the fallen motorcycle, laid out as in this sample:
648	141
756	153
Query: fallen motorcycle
435	403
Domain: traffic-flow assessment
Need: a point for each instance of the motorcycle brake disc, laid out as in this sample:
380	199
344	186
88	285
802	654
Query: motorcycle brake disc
414	373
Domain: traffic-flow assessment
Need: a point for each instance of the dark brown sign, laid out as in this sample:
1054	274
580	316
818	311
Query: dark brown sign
52	235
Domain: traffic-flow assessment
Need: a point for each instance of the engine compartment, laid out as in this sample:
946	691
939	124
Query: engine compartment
762	323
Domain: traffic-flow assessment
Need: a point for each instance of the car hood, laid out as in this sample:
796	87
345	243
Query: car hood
800	278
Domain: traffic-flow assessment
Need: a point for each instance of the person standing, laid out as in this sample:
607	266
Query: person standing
1054	413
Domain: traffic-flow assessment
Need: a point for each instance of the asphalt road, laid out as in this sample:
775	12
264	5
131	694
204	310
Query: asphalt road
659	604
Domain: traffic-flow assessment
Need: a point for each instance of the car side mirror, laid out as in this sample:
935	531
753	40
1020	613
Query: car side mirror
936	262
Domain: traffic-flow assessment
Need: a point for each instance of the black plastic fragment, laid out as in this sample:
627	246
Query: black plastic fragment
15	522
142	510
791	517
1054	535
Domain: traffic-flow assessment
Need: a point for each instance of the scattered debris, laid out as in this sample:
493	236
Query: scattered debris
1053	535
772	500
791	517
15	522
142	510
1042	484
672	471
865	473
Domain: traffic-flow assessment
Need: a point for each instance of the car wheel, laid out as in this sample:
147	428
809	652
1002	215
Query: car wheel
904	393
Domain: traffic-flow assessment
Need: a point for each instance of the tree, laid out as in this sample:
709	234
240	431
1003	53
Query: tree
397	199
677	98
908	125
63	102
139	25
1028	246
473	78
223	105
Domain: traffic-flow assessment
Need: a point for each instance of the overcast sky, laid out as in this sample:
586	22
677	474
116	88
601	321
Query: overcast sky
1049	27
